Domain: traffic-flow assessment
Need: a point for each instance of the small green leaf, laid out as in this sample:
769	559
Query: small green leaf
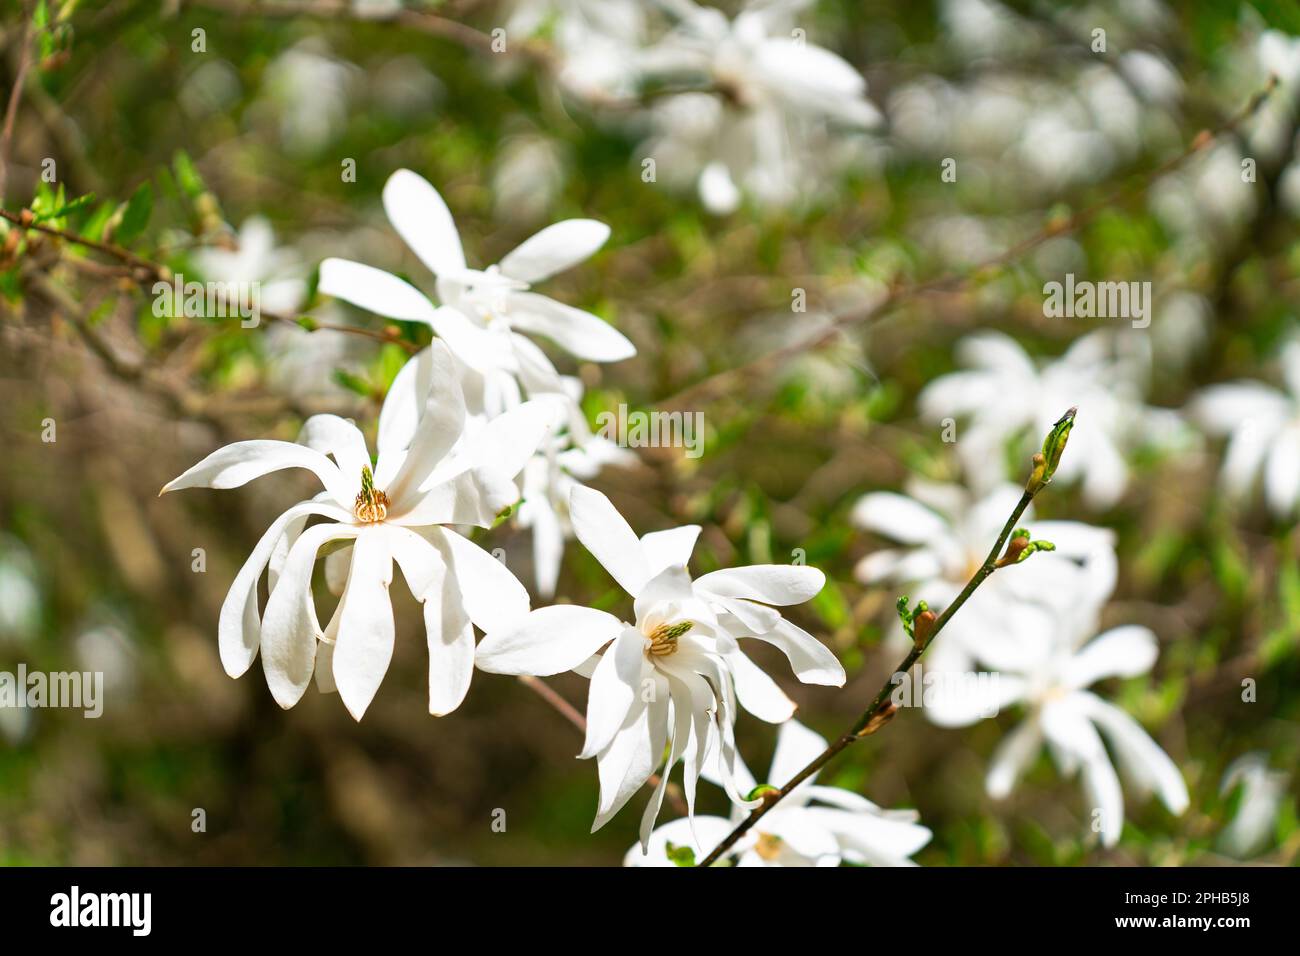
680	855
135	215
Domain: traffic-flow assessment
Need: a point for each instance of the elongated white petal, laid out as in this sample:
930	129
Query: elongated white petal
872	838
423	220
364	646
374	290
1141	757
503	446
237	464
779	584
710	830
898	517
239	627
812	661
548	641
605	533
400	413
757	692
796	746
630	759
674	546
1120	652
1077	745
332	435
678	739
1282	472
290	628
492	596
441	424
554	249
1013	756
615	683
580	333
958	699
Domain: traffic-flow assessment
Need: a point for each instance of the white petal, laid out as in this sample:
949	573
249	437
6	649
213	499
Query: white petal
674	546
670	586
615	684
779	584
332	435
580	333
548	641
555	249
422	219
239	628
710	830
604	532
1139	755
872	838
504	445
631	757
1077	745
898	517
1282	472
364	646
812	661
757	692
796	746
492	596
290	628
440	426
236	464
1013	755
400	414
374	290
1120	652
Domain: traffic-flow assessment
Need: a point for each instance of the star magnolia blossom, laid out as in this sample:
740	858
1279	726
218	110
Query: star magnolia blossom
1006	396
256	258
946	534
1263	429
487	309
426	477
773	92
673	678
814	826
1050	678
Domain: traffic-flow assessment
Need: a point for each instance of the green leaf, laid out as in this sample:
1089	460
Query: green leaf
354	383
680	855
135	216
187	175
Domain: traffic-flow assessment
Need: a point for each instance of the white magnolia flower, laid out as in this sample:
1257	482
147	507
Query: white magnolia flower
1005	396
426	478
1051	678
673	678
945	533
256	259
1262	792
1263	428
488	309
814	826
762	128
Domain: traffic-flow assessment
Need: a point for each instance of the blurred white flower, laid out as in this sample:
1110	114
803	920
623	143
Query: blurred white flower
1005	395
20	592
1049	676
1262	424
308	88
945	534
256	258
1262	792
814	826
484	311
673	678
761	126
426	478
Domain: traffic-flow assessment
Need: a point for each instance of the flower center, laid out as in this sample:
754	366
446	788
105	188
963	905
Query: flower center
371	504
663	639
768	846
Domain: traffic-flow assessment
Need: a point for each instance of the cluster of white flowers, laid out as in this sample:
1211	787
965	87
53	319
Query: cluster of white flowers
466	423
1029	632
746	106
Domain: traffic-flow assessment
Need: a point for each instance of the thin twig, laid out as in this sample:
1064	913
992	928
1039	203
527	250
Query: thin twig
11	110
881	709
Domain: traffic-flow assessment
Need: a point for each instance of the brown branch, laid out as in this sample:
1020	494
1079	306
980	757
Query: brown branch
11	110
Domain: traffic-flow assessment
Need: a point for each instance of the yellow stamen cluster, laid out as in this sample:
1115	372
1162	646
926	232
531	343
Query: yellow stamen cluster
663	639
768	846
371	504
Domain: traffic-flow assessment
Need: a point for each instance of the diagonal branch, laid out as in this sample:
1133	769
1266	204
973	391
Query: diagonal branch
881	709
